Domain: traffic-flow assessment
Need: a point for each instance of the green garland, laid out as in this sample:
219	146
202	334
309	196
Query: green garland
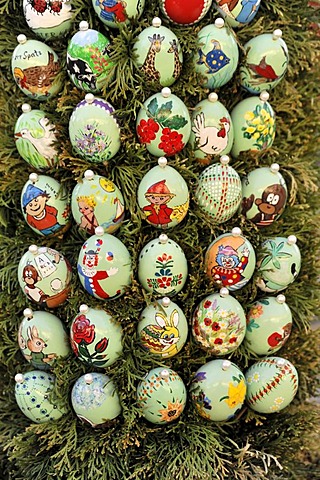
251	446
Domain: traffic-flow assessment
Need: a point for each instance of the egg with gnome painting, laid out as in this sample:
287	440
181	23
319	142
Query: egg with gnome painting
94	130
88	62
218	390
48	18
211	130
269	323
35	138
113	13
271	384
163	124
42	338
35	68
238	13
279	263
159	54
219	323
218	191
95	400
96	338
161	396
185	12
33	393
45	276
217	56
163	196
97	201
45	205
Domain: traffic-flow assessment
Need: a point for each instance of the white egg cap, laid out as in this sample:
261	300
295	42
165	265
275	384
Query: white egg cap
236	232
89	98
213	97
219	22
164	373
162	162
26	108
281	298
156	22
33	177
165	301
226	364
224	292
22	38
89	175
166	92
224	159
88	378
19	378
276	34
33	249
99	231
264	96
163	238
292	240
275	167
83	26
83	308
28	313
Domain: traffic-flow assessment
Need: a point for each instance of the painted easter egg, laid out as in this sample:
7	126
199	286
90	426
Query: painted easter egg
42	338
230	260
162	266
218	390
48	18
44	276
32	392
95	400
159	54
185	12
219	191
271	384
104	266
113	13
93	130
264	195
219	323
96	337
211	130
217	56
35	138
163	328
279	263
269	323
45	205
238	12
161	396
254	125
163	196
266	62
35	68
88	63
97	201
163	124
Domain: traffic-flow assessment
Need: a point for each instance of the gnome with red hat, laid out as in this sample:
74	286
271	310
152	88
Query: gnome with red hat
158	213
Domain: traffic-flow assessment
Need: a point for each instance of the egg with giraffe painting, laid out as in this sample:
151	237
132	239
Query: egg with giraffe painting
159	54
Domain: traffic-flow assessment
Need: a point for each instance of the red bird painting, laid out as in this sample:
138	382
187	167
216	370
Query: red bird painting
263	72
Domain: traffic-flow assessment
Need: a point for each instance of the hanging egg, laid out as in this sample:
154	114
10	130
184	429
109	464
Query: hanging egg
45	276
159	54
35	138
218	191
42	338
48	19
269	323
97	201
96	337
163	196
88	63
45	205
163	328
254	125
271	384
238	13
113	13
161	396
279	263
264	193
104	266
95	400
211	130
230	260
163	124
162	267
217	56
266	62
185	12
218	390
35	68
219	323
32	392
94	130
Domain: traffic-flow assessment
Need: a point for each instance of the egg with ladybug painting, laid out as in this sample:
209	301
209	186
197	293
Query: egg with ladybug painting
48	18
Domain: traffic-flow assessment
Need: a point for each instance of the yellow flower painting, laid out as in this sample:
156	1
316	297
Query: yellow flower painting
236	394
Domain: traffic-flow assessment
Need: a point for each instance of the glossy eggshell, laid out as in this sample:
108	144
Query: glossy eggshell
185	12
113	13
161	398
48	19
97	202
42	338
217	392
238	13
95	403
271	384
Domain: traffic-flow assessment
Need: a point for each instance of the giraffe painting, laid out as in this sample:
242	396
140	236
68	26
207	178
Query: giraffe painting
177	63
148	66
